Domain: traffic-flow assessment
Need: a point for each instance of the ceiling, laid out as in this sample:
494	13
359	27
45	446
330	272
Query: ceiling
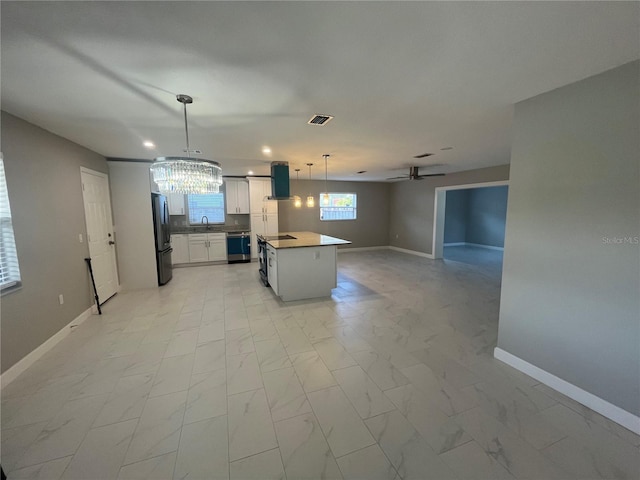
401	79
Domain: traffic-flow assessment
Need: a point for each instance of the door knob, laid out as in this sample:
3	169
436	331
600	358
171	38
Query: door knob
111	242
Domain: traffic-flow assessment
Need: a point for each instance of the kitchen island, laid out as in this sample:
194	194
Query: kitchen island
302	265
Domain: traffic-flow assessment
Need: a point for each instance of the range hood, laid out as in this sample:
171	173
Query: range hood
280	181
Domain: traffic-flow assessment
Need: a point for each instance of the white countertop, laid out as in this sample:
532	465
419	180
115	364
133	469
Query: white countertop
306	239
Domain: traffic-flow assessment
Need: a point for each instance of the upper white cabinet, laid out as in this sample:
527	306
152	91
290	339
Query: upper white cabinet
176	204
237	196
259	190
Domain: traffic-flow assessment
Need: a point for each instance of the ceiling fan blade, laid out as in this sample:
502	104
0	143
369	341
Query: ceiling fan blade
432	175
404	177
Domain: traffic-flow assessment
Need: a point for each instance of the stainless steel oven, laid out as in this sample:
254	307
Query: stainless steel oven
262	259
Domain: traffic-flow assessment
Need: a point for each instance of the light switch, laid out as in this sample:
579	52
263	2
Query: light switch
61	299
316	255
80	237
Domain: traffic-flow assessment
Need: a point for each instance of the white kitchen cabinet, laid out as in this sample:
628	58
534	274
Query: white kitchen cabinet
259	190
272	268
262	224
180	245
300	273
176	204
207	247
237	196
198	248
217	247
264	213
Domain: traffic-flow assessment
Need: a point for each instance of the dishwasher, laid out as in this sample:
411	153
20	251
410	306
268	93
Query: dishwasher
239	247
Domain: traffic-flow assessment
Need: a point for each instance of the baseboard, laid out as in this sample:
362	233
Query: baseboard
12	373
386	247
411	252
361	249
597	404
480	245
467	244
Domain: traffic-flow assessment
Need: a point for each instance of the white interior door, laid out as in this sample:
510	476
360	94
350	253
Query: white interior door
97	212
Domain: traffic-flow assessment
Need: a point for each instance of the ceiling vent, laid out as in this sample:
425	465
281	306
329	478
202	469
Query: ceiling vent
423	155
320	119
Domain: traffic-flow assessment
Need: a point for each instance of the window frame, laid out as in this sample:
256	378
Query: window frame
222	208
7	240
354	208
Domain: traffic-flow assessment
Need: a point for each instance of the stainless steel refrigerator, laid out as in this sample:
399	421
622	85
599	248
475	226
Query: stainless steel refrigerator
162	230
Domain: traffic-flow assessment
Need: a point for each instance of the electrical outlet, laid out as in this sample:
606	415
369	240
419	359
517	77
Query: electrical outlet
396	235
80	237
61	299
316	255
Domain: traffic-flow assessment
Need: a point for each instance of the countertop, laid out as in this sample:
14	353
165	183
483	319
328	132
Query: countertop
306	239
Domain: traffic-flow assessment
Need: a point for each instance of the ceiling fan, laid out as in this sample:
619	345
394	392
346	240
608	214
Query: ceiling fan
415	175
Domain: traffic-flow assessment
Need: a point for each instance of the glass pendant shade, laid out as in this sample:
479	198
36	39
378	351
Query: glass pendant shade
325	196
187	175
297	201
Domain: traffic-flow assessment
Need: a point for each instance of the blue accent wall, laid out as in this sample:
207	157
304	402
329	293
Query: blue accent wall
455	217
476	215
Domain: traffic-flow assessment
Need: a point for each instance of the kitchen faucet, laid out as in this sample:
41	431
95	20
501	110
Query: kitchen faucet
202	220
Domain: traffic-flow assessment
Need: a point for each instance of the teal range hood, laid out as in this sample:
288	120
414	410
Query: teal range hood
280	181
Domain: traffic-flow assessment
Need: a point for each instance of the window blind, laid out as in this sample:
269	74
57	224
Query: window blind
9	268
210	205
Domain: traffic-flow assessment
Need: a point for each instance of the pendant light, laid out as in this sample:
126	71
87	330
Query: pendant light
186	175
297	201
325	196
310	200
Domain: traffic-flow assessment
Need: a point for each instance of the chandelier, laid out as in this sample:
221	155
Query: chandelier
186	175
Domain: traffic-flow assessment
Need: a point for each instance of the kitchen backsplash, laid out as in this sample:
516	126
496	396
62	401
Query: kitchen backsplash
180	224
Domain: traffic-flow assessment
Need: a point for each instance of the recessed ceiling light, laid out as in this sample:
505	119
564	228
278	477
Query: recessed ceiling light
149	144
266	150
250	172
447	148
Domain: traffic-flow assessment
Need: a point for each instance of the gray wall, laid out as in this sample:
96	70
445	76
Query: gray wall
133	222
411	205
487	215
570	302
456	216
43	178
371	227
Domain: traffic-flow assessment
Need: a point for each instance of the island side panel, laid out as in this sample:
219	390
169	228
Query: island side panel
306	272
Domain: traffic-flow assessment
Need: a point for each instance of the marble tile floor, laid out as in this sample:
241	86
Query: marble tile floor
213	377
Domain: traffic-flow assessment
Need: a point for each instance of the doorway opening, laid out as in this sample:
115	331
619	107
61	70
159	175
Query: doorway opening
470	223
